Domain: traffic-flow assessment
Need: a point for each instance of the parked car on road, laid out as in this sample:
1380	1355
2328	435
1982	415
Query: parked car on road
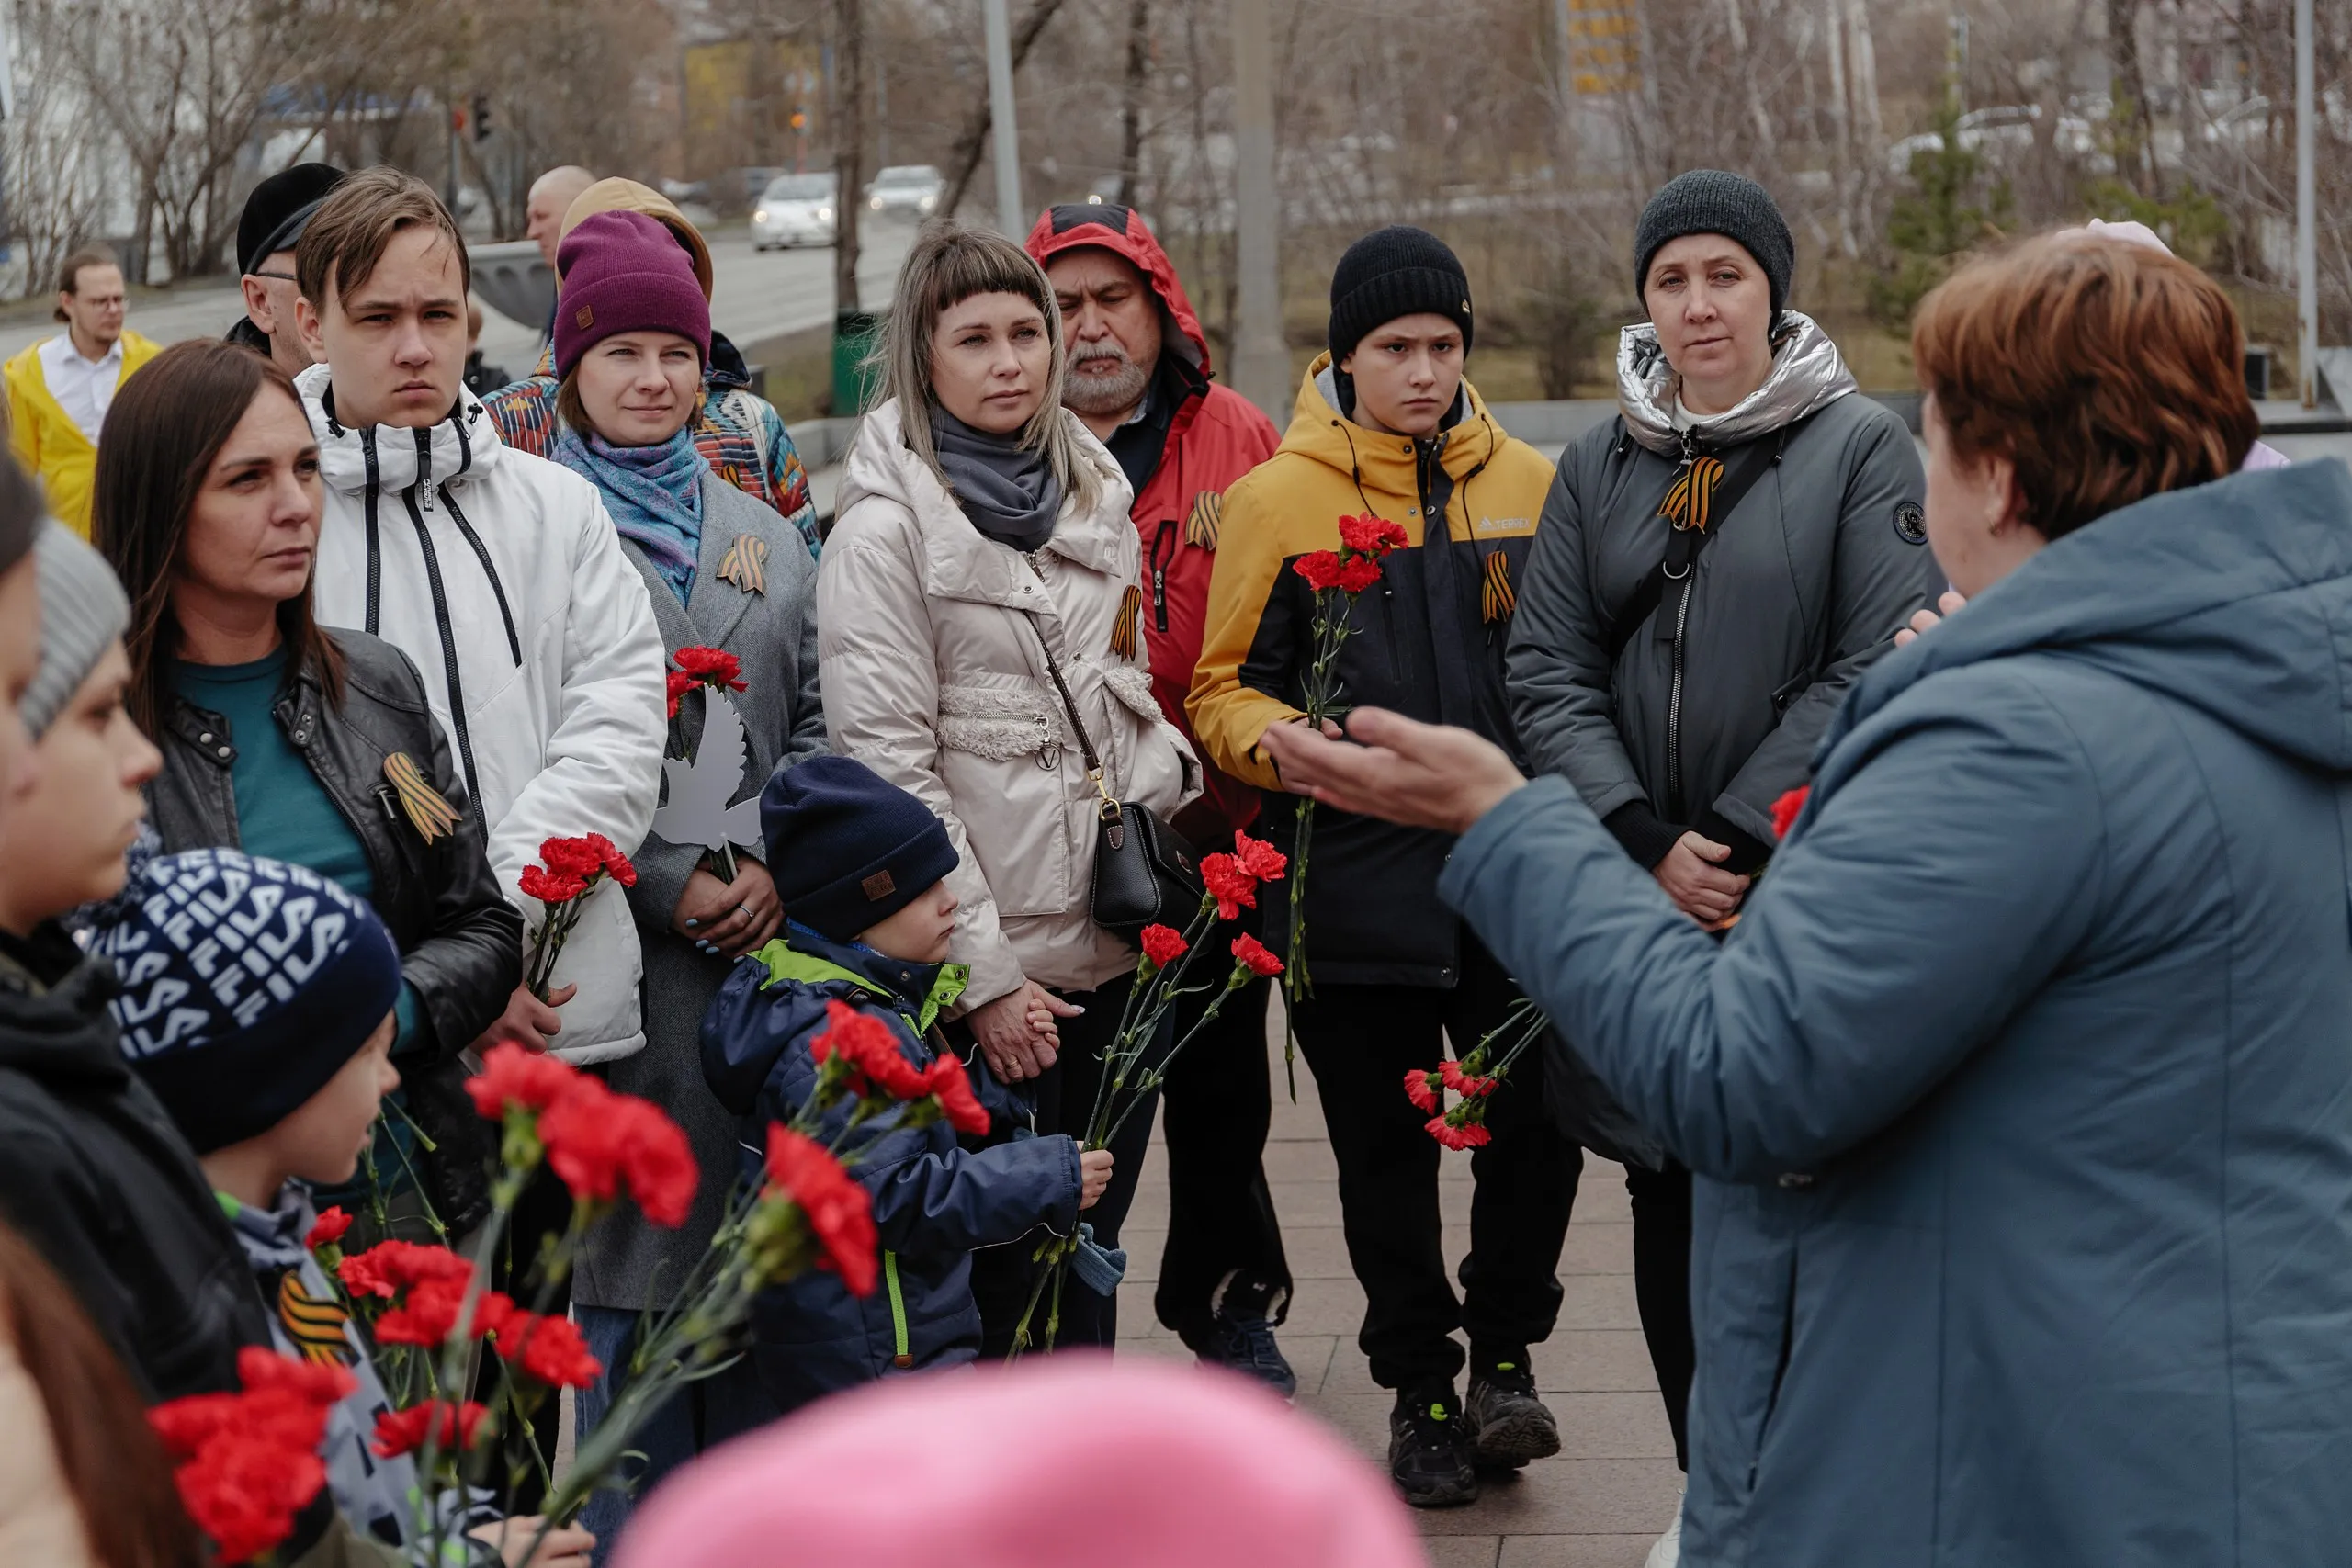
913	189
796	210
2000	133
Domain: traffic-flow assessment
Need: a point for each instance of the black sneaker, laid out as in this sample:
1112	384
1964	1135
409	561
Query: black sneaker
1242	1335
1429	1452
1508	1424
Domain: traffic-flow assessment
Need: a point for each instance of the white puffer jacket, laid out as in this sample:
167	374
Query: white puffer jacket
501	576
928	633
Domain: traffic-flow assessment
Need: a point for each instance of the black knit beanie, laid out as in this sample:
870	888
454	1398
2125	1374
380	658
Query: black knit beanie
1392	272
1710	201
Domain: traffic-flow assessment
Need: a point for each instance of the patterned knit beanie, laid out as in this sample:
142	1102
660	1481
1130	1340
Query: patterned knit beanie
247	985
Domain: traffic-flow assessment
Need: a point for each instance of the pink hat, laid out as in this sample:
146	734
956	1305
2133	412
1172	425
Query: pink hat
1081	1459
624	272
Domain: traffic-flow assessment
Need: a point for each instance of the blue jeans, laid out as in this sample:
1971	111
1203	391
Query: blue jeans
701	1416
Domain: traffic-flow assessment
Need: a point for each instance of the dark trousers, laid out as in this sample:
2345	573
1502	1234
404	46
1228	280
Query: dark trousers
1661	1202
1218	1103
1360	1041
1064	1100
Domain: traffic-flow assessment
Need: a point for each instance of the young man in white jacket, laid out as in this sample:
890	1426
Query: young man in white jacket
499	573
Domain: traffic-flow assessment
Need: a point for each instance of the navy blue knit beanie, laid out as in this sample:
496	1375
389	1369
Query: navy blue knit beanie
847	848
245	985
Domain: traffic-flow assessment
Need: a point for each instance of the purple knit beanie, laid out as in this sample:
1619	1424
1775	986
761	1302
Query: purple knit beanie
624	272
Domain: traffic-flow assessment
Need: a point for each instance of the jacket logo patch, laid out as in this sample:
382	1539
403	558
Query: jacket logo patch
432	816
746	564
585	316
1911	522
1500	525
877	886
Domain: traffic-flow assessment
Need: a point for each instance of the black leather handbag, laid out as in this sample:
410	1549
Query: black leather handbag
1144	871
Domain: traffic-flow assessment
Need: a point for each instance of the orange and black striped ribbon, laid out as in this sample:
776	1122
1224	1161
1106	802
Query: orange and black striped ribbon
1496	598
314	1325
746	564
1688	498
432	817
1208	516
1126	632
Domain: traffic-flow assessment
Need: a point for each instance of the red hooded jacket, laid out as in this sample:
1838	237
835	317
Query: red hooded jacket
1216	436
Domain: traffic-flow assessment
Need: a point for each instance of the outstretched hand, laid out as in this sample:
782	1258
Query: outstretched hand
1422	775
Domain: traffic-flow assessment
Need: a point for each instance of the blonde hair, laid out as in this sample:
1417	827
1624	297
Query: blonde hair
948	264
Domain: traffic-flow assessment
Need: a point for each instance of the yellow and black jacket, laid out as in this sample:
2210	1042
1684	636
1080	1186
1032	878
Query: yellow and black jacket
1428	642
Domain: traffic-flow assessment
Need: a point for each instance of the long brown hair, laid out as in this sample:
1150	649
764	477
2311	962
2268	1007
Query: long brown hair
164	429
118	1474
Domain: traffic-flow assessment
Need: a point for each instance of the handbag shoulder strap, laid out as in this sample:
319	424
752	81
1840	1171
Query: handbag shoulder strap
1070	705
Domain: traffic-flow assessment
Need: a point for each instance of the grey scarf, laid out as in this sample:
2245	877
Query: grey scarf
1006	492
1808	373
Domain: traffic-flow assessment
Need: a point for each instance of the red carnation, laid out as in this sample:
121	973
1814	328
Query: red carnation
327	1229
427	1314
1356	575
1254	955
871	1049
838	1212
515	1074
1321	567
403	1431
947	1079
1469	1136
1418	1089
316	1382
1230	884
571	857
658	1162
711	667
1469	1086
1163	945
550	887
389	1266
247	1464
1259	858
1786	809
1367	534
679	683
548	1351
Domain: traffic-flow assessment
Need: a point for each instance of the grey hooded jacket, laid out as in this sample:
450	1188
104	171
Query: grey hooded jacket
2017	1099
1805	583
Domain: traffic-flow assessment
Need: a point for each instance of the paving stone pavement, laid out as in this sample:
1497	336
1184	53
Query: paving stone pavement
1613	1487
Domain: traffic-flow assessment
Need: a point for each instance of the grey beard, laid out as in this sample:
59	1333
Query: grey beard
1105	394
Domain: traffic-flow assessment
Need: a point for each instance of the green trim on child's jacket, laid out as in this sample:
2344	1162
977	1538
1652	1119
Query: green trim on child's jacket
787	962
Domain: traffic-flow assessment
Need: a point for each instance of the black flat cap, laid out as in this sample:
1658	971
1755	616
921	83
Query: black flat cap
277	209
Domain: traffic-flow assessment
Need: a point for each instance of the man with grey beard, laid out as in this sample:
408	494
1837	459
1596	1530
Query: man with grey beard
1139	378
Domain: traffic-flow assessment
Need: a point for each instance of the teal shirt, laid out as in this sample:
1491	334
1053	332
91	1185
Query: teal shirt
285	814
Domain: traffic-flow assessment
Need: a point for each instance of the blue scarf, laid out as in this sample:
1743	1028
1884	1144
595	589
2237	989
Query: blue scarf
654	494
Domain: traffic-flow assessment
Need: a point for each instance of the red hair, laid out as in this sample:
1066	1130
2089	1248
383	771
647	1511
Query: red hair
2104	371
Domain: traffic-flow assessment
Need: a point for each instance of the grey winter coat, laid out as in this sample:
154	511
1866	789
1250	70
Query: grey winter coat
2018	1098
1803	587
774	636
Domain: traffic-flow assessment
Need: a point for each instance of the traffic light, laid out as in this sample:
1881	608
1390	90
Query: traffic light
481	117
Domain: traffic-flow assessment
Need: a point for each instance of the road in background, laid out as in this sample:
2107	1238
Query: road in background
758	295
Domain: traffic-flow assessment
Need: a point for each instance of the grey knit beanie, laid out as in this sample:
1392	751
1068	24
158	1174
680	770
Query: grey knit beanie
83	610
1710	201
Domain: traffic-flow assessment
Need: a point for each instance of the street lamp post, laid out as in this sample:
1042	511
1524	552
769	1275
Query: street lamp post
997	31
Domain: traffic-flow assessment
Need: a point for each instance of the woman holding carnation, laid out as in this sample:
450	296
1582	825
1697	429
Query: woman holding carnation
2015	1099
983	548
1681	680
299	744
733	591
1387	427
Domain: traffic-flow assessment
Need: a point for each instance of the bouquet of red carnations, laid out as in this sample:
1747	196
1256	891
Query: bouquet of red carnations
1470	1080
569	869
1337	577
1128	1080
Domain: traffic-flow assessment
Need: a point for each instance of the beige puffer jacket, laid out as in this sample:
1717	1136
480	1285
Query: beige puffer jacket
934	675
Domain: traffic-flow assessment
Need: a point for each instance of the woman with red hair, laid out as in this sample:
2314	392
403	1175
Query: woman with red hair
2017	1099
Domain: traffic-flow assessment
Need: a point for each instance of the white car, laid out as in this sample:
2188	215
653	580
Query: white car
796	210
913	189
1999	132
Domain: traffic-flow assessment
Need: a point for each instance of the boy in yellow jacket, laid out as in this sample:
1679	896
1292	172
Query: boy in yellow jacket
1385	423
59	390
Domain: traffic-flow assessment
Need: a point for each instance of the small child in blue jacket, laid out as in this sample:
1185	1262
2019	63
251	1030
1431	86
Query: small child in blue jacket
859	865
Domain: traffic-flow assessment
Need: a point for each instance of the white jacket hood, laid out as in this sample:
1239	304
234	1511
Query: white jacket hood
502	577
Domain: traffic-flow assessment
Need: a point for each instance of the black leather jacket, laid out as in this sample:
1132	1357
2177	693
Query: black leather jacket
460	940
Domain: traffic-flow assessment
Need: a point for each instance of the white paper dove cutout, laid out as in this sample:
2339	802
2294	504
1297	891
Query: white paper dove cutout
697	812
